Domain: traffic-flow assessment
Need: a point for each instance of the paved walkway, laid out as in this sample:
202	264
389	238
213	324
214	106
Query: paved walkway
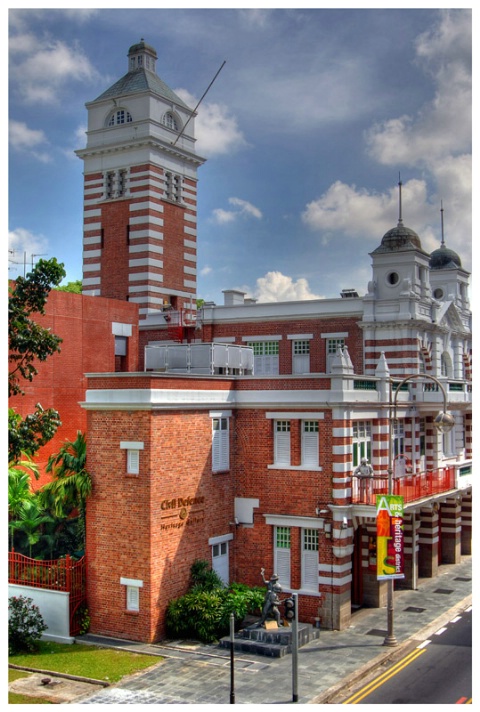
200	674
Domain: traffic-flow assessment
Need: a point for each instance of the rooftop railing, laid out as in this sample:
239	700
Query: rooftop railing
200	359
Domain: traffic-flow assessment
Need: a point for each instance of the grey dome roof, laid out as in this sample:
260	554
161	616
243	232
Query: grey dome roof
444	258
399	239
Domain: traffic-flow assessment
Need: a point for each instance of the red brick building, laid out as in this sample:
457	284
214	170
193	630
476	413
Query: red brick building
232	434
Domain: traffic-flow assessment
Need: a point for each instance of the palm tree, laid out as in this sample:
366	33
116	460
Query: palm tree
30	519
19	490
72	483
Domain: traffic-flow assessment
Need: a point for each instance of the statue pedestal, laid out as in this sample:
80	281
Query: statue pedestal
272	642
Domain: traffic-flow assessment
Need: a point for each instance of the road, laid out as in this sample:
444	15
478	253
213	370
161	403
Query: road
438	671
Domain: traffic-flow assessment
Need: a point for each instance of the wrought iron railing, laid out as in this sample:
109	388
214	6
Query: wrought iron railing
410	487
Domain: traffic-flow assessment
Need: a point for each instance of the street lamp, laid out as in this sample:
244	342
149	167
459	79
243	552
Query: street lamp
443	423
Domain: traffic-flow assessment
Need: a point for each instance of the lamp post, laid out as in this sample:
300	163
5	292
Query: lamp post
443	423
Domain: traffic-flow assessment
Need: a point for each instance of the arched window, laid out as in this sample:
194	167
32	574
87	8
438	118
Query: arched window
446	365
170	121
120	116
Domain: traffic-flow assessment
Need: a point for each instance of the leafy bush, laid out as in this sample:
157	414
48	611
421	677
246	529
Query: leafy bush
204	612
25	624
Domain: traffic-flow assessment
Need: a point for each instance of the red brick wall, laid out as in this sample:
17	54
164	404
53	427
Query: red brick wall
137	527
85	325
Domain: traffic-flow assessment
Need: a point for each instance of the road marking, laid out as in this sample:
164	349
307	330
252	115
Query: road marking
439	632
424	644
462	701
372	686
455	620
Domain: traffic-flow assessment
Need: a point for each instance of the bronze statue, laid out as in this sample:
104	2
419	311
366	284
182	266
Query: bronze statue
272	601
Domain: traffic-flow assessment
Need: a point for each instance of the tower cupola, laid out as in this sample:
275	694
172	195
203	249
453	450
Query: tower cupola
141	56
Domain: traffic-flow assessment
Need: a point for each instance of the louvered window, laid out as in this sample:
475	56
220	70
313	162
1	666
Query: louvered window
266	359
310	443
301	357
133	598
281	555
282	442
133	462
220	445
310	559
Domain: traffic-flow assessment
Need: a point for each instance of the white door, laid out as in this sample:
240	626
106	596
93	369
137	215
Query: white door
220	560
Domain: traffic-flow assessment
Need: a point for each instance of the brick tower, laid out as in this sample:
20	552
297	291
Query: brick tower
140	192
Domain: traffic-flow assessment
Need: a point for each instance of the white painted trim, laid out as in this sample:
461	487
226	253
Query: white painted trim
220	414
285	520
299	337
131	445
335	335
220	539
131	582
281	415
267	337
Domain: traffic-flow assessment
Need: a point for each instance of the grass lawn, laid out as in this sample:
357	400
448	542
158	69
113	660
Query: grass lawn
84	660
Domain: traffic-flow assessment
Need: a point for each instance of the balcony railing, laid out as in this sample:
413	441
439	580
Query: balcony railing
200	359
410	487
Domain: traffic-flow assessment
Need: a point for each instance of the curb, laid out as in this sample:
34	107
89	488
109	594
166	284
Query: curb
64	675
391	654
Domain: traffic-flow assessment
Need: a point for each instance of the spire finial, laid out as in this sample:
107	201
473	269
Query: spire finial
441	213
400	221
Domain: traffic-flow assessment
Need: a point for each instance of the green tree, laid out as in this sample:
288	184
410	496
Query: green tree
29	343
71	484
74	287
19	490
30	519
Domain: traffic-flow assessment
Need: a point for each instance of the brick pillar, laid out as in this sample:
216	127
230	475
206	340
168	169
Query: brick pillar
428	543
466	535
450	531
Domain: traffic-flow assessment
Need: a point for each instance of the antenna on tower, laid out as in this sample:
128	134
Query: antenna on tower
201	99
441	214
400	221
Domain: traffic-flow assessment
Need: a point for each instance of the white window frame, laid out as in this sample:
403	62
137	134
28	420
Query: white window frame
132	593
310	443
300	356
133	455
282	559
282	442
361	441
266	357
220	441
332	346
309	564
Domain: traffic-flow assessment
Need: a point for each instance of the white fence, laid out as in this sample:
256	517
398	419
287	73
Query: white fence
200	359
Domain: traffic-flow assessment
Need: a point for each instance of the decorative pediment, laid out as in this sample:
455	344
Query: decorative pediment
449	318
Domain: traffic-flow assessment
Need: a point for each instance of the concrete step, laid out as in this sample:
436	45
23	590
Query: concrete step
272	642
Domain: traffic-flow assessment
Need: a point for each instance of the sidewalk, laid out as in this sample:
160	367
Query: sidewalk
201	674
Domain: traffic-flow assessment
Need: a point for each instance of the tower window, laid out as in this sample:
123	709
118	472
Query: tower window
120	116
438	293
173	187
170	121
392	278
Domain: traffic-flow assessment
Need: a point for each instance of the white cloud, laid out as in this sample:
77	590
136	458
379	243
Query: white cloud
27	140
205	271
243	208
436	140
278	287
359	213
216	131
443	126
42	68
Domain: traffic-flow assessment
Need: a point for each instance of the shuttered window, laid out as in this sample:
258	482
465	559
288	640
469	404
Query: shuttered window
266	360
310	443
282	442
310	559
133	598
301	357
220	445
281	555
133	462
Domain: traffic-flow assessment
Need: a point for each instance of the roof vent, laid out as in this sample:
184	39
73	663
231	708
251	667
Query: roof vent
349	293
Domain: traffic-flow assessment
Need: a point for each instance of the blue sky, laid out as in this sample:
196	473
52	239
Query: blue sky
306	129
